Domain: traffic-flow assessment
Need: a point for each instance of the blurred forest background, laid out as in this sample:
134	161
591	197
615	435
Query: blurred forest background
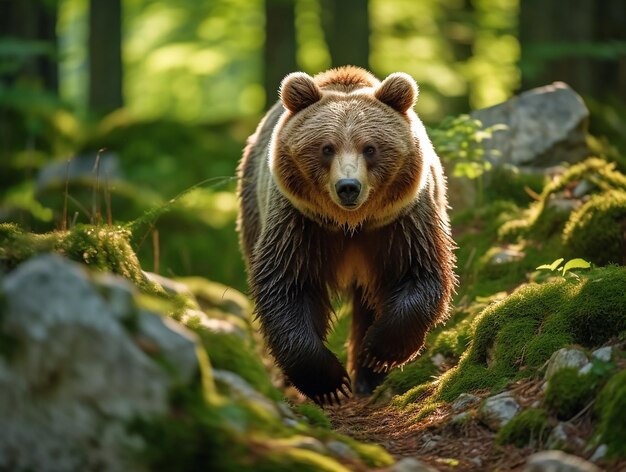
164	93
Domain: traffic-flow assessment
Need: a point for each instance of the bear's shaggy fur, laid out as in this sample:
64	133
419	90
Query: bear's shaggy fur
305	239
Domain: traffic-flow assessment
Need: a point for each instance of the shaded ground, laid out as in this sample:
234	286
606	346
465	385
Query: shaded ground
468	448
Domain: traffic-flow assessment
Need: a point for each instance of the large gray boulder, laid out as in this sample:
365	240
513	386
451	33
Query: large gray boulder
81	365
544	126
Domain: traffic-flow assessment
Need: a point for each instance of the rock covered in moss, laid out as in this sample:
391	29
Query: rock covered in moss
81	368
564	358
558	206
569	392
596	231
529	427
611	409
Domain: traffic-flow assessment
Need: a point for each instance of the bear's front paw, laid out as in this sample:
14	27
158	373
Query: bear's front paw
321	378
383	350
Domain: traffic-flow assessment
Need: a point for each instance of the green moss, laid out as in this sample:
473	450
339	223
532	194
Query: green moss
104	248
595	232
414	395
372	454
233	353
314	415
611	409
337	341
510	183
292	459
542	220
514	337
530	426
417	372
568	392
212	295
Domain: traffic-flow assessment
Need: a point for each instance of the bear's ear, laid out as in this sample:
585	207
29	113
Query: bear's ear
399	91
298	91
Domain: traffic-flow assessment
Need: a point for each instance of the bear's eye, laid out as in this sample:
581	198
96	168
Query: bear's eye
328	150
369	151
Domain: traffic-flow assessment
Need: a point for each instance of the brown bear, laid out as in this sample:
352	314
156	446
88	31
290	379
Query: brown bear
342	193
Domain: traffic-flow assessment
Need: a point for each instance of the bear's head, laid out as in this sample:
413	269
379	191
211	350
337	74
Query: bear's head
349	150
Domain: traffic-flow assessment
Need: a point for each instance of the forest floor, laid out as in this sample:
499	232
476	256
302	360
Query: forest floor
470	447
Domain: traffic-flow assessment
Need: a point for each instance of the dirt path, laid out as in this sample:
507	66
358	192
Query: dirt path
469	448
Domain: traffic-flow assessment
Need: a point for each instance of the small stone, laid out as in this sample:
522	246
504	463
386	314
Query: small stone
557	461
583	188
477	460
411	464
461	418
558	436
603	354
341	450
584	370
498	410
430	441
599	453
565	358
563	204
464	401
438	360
506	256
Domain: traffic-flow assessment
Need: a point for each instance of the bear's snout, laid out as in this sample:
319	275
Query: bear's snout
348	191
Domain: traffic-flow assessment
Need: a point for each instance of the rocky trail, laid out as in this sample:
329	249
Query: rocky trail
437	441
447	448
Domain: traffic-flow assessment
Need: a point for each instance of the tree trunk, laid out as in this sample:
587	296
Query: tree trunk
347	31
33	20
280	45
575	41
105	55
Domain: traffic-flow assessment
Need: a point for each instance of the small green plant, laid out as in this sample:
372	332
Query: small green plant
459	140
577	263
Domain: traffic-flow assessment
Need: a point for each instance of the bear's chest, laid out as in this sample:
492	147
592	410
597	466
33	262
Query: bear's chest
354	267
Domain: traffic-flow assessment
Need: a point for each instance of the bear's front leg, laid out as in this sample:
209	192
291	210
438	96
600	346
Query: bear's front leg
410	308
294	322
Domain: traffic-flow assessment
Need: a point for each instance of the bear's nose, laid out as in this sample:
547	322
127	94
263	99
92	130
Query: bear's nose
348	191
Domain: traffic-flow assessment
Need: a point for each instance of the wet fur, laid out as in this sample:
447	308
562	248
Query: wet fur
394	256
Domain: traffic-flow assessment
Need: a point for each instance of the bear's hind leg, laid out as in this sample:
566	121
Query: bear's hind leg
365	379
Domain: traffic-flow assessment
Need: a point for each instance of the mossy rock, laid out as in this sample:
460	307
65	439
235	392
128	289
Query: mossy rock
596	231
231	352
514	338
610	407
530	426
569	392
314	415
542	220
103	248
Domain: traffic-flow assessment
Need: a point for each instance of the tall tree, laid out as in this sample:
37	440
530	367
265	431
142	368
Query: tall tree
582	42
347	30
33	23
105	55
280	45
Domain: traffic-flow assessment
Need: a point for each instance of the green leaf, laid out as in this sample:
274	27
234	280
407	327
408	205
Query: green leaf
576	264
552	266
